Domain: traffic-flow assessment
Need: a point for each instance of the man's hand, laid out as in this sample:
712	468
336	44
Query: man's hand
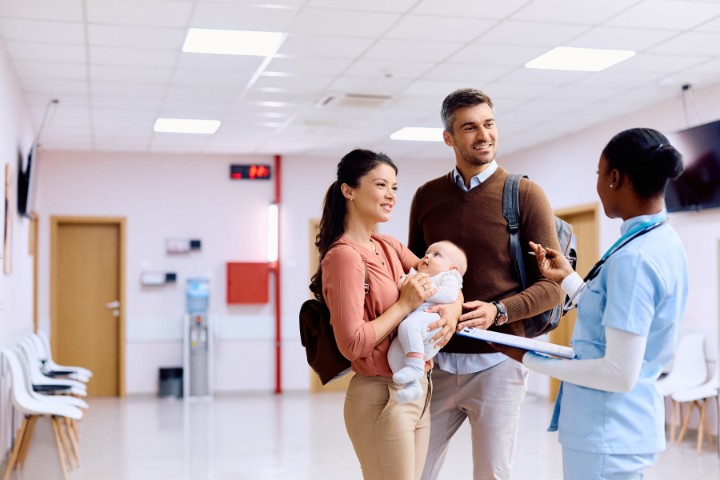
481	315
449	314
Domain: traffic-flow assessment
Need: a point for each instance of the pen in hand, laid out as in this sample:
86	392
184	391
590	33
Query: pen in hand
569	257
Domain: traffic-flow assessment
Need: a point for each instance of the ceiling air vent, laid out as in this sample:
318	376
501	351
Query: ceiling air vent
351	100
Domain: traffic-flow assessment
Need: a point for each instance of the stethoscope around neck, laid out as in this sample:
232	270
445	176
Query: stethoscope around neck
631	235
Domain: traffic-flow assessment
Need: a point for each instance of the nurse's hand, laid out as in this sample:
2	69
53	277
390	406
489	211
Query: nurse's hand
551	263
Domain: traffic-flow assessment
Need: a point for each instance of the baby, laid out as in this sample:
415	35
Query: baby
445	263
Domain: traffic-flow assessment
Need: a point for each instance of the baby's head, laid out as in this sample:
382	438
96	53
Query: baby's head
442	257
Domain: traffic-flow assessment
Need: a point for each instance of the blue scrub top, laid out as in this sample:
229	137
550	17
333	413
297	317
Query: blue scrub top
641	289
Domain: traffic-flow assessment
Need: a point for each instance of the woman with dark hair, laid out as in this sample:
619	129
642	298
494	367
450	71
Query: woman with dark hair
609	414
357	278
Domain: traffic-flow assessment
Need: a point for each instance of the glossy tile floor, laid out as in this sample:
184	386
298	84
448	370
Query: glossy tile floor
295	436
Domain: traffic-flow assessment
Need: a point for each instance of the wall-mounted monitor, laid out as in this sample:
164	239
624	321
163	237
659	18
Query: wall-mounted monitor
698	187
25	181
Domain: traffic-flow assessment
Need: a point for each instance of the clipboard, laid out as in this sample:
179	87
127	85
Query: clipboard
539	346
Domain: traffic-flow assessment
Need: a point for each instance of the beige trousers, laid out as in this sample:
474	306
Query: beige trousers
390	438
491	400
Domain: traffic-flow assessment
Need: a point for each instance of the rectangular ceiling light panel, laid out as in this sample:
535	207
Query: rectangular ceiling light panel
579	59
186	125
232	42
419	134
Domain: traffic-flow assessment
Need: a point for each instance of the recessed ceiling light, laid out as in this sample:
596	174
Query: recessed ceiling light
186	125
419	134
232	42
579	59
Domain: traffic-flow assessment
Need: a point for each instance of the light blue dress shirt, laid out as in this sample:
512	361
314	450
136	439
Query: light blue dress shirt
641	289
462	363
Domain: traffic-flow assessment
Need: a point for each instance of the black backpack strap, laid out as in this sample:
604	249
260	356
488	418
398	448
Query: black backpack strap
511	212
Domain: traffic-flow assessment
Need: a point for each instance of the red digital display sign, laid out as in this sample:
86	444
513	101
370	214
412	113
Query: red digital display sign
249	172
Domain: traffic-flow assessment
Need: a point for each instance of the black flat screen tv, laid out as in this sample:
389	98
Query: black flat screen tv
25	182
698	187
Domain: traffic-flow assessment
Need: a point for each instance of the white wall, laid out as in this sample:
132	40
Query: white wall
16	289
16	135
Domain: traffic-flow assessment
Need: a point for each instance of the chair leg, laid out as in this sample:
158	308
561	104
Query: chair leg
73	443
672	420
701	425
25	447
16	448
56	429
65	444
685	422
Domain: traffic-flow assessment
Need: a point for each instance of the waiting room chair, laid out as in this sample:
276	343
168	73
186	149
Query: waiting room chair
50	367
688	370
33	408
46	356
42	383
698	397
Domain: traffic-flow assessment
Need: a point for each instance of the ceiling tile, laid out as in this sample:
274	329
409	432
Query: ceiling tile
141	37
387	69
61	10
242	17
621	38
532	33
442	29
541	77
696	43
342	23
674	15
323	46
200	78
130	74
46	52
128	90
219	63
474	72
159	13
648	62
132	57
369	86
396	6
41	31
305	65
490	54
570	11
52	71
411	50
54	88
469	8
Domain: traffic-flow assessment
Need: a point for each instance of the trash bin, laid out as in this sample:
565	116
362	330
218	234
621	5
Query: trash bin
171	382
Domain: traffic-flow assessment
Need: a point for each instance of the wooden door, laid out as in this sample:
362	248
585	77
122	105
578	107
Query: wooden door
341	384
585	223
87	298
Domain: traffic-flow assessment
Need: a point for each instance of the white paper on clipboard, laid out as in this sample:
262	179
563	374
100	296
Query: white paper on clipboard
531	344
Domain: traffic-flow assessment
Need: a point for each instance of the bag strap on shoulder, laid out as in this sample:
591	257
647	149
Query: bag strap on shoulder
511	212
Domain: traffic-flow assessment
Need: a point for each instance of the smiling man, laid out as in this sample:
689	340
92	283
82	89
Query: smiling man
465	207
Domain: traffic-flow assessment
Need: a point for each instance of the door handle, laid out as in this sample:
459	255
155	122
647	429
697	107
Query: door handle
115	304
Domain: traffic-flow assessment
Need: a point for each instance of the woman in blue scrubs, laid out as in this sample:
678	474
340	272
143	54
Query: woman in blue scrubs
609	415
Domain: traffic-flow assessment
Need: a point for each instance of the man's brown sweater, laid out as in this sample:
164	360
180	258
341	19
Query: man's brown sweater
474	221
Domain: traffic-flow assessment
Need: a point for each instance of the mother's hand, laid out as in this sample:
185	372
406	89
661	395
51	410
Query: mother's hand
415	290
449	315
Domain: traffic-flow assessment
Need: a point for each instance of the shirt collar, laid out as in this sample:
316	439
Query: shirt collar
632	222
477	179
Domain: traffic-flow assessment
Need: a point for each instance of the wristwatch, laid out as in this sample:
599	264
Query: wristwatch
502	317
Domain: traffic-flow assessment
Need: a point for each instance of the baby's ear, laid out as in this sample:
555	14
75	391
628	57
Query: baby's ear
454	267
